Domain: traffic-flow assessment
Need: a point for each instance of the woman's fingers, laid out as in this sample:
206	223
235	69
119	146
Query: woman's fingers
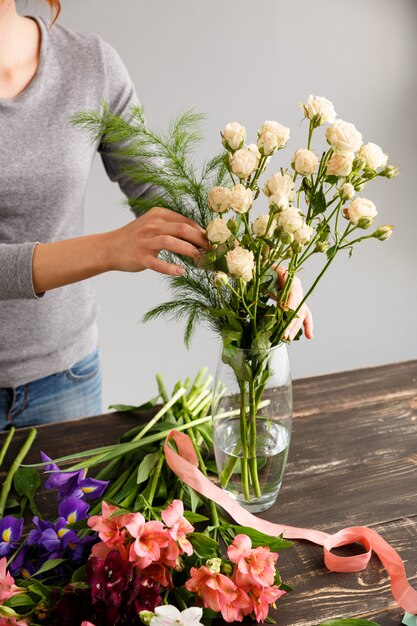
308	324
163	267
172	244
304	318
189	233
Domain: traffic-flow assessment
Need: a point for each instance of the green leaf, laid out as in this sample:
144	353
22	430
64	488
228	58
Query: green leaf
269	620
142	407
48	565
205	547
348	622
261	539
318	202
331	252
21	599
332	180
79	575
234	357
194	497
193	518
262	341
146	466
39	589
26	482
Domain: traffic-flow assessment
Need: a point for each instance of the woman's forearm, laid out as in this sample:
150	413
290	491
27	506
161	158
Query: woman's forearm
60	263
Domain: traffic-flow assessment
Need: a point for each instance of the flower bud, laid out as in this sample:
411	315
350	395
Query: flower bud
233	136
179	563
296	247
347	191
389	172
358	163
365	222
226	568
287	237
383	232
146	616
359	185
322	246
210	257
220	279
217	231
232	225
214	565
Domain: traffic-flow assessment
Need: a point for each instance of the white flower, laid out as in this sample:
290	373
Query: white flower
383	232
220	279
219	199
272	136
240	263
361	212
373	156
234	135
260	224
340	164
323	108
303	235
244	162
347	191
281	184
240	199
344	137
168	615
217	231
305	162
290	220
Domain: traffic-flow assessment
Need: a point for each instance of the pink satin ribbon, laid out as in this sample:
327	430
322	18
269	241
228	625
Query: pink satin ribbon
184	464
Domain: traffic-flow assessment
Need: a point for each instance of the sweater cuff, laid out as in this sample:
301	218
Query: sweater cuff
24	278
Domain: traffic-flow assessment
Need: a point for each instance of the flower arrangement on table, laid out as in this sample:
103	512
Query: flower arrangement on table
313	211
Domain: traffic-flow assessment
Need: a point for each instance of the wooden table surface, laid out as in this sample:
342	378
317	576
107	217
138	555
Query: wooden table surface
352	462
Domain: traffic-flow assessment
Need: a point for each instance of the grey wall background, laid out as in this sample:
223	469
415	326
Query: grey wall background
250	61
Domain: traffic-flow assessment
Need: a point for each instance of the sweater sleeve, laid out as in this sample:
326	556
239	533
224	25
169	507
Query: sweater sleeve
121	95
16	271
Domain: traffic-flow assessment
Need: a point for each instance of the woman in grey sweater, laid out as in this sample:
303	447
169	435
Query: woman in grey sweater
49	359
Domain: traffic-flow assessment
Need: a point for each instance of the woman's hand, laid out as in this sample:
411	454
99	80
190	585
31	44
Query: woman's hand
131	248
135	247
304	316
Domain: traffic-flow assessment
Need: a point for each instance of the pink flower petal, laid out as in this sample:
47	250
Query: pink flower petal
240	547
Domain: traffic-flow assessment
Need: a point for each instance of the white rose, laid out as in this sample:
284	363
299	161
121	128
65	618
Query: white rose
347	191
340	164
234	135
260	224
220	279
244	162
361	209
373	156
303	234
240	199
323	108
272	136
305	162
344	137
279	183
240	263
290	220
219	199
217	231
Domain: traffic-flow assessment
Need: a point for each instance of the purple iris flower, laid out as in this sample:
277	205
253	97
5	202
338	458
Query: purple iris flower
72	483
10	533
73	510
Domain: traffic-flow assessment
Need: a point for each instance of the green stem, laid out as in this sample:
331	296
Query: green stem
6	444
160	413
155	478
244	439
14	467
253	462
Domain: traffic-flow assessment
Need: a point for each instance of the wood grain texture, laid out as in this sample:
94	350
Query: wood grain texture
353	461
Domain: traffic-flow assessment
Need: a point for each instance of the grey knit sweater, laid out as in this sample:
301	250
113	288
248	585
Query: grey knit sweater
44	167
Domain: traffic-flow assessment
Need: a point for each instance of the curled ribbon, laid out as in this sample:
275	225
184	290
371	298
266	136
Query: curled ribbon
184	464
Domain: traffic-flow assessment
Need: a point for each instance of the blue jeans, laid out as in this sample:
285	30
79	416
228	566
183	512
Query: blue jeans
75	392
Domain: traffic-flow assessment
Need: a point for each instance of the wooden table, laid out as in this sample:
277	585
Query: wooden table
352	462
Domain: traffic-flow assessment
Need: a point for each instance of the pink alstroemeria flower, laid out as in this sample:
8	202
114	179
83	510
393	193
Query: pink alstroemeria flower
7	586
179	526
236	610
254	566
150	538
11	621
215	589
262	598
87	624
110	527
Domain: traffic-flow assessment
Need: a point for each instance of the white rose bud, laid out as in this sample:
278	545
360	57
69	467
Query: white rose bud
281	184
260	224
320	107
344	137
383	232
373	156
217	231
305	162
240	263
244	162
340	164
361	212
303	235
290	220
240	199
233	136
219	199
220	279
347	191
272	136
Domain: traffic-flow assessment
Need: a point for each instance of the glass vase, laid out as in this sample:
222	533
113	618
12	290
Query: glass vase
252	417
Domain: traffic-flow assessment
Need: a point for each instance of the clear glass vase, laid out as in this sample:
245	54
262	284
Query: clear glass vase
252	417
